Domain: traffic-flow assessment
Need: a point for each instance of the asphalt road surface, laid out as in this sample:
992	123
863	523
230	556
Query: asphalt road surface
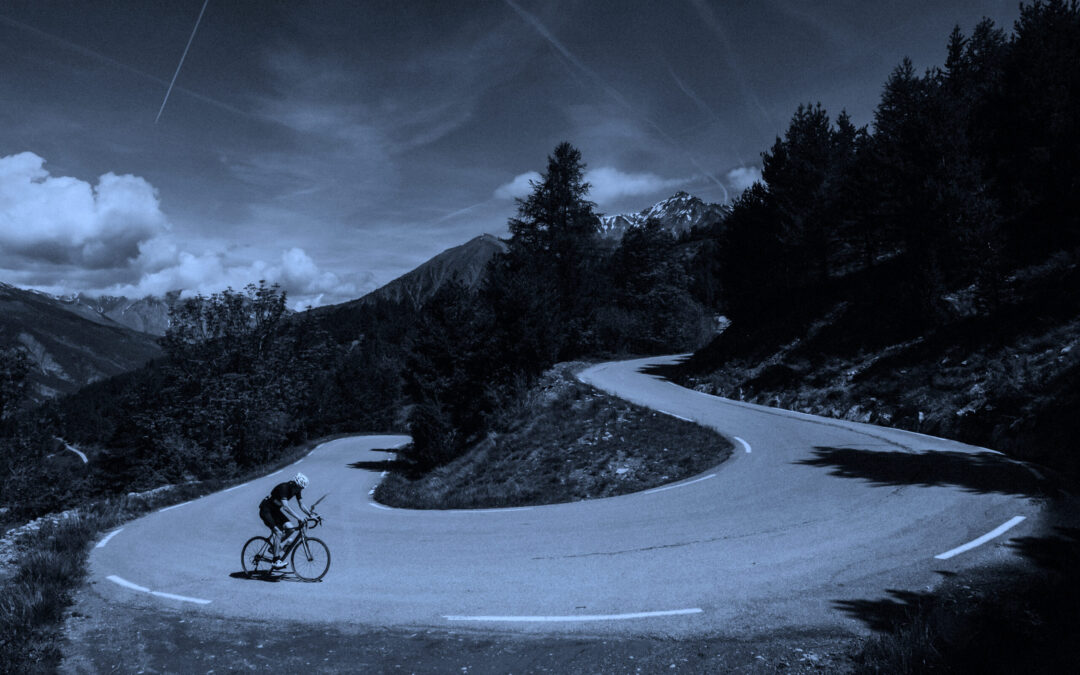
809	517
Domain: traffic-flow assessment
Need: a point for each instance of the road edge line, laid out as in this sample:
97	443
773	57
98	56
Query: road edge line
996	532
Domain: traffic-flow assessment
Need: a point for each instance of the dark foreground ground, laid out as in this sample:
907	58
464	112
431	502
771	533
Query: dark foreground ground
108	638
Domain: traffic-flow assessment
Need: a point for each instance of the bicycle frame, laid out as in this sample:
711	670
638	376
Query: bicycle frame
301	537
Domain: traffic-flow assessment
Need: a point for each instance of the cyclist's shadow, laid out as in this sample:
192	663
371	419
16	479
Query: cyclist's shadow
269	577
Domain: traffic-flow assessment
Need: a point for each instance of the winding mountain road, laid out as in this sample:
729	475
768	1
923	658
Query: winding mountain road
807	518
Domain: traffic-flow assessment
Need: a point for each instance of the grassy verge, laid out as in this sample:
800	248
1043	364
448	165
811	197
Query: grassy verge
52	560
563	441
1021	617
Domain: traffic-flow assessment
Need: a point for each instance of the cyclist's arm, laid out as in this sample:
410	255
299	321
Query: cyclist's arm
301	505
284	506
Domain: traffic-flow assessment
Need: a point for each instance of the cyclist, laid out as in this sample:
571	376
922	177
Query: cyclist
273	510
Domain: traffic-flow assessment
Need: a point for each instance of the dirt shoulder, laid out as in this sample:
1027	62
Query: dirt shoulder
106	637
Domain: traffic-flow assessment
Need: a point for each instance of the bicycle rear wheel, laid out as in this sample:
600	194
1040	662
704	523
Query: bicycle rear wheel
311	561
255	556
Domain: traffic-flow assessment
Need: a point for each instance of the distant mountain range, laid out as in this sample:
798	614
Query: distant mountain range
75	340
678	214
70	346
146	315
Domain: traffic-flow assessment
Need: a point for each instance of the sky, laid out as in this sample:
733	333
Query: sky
333	146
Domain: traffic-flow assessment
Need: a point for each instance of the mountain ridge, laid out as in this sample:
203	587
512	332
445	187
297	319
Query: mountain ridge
68	349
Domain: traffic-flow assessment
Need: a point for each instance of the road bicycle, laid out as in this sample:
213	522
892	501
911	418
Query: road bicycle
309	557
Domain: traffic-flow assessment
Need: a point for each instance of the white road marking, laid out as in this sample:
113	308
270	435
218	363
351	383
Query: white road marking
507	510
79	453
680	417
996	532
126	584
380	506
142	589
679	485
235	487
275	473
181	598
577	617
174	506
744	444
1034	472
101	544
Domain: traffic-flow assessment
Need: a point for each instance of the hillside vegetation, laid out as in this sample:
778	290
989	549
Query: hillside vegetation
562	441
922	273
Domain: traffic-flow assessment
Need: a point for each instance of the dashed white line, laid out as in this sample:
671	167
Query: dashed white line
679	485
679	417
127	584
181	598
275	473
996	532
120	581
506	510
575	617
101	544
380	506
235	487
744	444
78	452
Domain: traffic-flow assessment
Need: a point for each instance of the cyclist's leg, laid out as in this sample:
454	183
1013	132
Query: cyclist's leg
270	517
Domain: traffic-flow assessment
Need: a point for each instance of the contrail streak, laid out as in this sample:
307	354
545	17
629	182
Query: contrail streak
79	49
169	90
709	17
611	91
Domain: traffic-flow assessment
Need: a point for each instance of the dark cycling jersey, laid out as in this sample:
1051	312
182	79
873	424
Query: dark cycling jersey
270	511
286	491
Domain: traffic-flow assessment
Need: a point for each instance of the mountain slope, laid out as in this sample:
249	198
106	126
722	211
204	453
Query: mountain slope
68	349
466	262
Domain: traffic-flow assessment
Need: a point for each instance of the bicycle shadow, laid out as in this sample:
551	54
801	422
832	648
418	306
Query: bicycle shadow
272	577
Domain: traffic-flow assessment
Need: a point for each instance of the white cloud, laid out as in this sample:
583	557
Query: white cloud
743	177
64	235
606	184
609	184
60	219
519	187
211	272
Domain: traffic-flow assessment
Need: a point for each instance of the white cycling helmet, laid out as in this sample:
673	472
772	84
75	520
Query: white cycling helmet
301	480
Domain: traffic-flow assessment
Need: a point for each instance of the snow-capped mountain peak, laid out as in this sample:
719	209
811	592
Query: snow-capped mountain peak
678	213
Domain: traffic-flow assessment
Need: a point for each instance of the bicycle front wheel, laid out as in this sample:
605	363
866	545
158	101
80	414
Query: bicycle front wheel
311	559
255	556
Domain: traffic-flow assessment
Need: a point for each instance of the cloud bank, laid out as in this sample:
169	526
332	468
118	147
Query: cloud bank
66	235
743	177
607	184
520	187
58	219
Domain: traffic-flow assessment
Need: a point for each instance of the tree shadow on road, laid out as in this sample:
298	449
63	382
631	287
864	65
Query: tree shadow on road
982	472
1015	616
